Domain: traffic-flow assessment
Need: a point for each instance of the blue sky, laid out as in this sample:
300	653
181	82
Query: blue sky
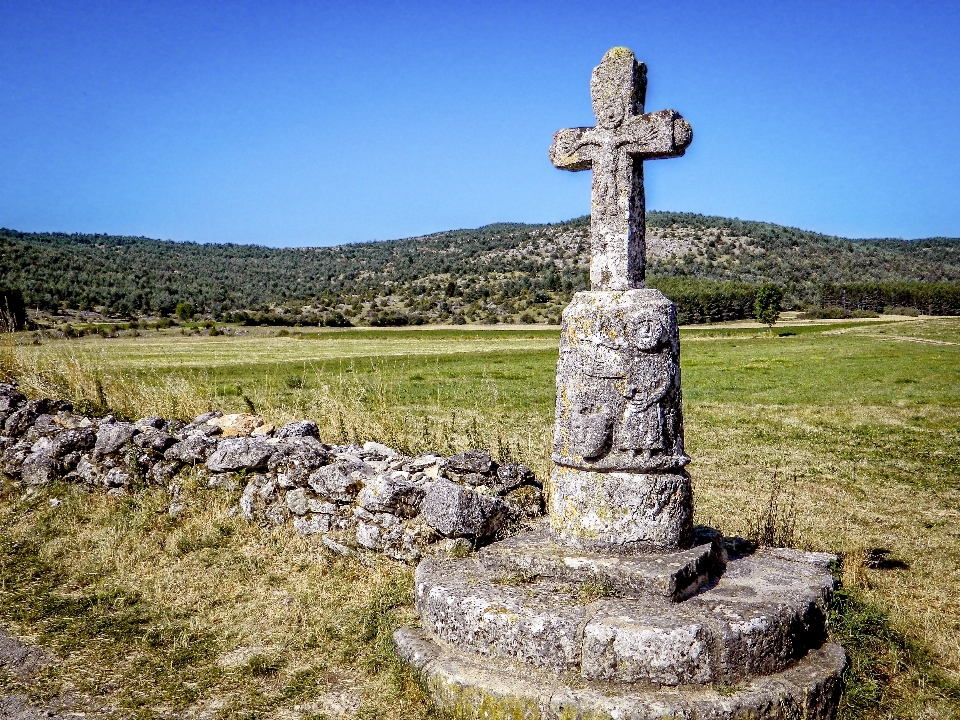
313	123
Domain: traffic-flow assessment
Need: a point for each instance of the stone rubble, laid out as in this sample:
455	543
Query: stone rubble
354	498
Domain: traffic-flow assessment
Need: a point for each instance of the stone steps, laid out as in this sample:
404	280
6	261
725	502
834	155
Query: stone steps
675	575
764	613
477	688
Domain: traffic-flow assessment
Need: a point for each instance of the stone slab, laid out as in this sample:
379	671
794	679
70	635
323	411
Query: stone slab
621	513
464	608
767	610
483	689
619	407
762	615
675	575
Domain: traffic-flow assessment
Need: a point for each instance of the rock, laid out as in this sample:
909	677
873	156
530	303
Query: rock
39	469
14	456
258	488
222	482
110	438
19	420
150	423
268	491
276	514
154	440
70	421
206	417
10	397
54	406
335	547
239	454
200	430
163	471
263	431
391	492
116	478
368	536
70	460
470	461
194	449
312	524
297	501
87	472
237	425
174	427
511	476
422	462
339	482
409	546
453	510
321	506
525	501
300	428
71	441
296	457
377	451
42	446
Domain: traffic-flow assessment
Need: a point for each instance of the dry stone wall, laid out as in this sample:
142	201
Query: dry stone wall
353	498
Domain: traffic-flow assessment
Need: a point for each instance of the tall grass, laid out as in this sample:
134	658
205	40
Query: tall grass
346	408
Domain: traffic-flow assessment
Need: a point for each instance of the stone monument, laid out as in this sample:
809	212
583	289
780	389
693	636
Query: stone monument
620	608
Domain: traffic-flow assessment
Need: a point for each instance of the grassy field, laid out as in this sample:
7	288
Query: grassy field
202	615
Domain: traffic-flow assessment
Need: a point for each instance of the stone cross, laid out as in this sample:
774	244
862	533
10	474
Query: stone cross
615	150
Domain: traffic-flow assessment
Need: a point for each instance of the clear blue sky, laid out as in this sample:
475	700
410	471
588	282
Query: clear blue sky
314	123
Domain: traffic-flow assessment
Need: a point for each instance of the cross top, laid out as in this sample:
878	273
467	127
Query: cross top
615	150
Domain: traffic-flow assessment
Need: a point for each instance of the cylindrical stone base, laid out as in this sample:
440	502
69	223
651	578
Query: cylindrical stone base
620	512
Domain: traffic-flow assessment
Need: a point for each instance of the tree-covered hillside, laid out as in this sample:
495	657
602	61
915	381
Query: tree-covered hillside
502	272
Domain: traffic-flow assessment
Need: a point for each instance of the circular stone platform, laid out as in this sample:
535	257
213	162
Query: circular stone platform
765	612
472	688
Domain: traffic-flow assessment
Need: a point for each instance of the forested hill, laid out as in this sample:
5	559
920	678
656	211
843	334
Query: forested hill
494	272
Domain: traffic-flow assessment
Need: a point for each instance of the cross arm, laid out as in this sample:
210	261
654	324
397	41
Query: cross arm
568	151
656	135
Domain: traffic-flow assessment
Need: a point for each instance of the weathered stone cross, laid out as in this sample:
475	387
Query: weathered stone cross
615	150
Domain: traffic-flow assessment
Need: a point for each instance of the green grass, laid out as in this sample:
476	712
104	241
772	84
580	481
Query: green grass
863	419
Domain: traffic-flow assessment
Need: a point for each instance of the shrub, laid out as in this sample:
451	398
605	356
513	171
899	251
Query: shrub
898	310
835	313
766	305
184	311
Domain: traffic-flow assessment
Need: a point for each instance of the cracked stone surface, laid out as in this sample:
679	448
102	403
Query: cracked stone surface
763	614
474	688
621	512
675	575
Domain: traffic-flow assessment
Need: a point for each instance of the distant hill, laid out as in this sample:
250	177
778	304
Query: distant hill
501	272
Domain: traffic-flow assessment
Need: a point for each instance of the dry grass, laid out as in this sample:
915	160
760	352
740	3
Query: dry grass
201	614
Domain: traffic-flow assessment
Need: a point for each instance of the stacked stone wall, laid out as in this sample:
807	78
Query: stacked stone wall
369	498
